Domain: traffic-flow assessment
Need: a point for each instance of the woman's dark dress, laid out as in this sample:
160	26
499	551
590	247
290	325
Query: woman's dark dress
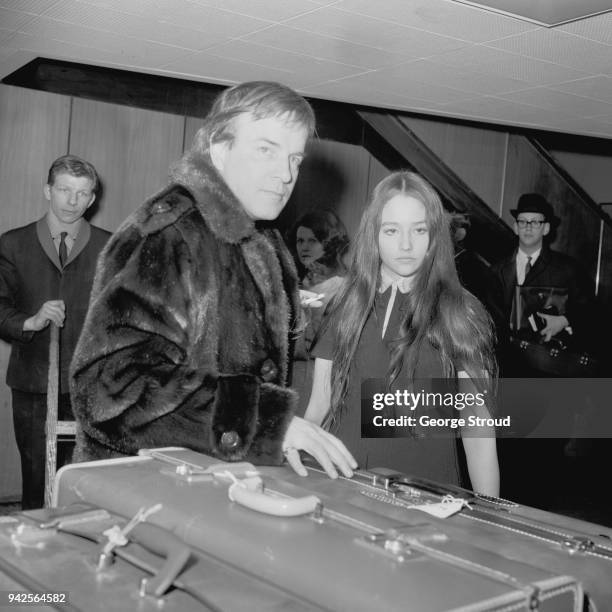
434	458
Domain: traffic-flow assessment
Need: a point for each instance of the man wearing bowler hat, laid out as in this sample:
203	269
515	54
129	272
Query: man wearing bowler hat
534	264
532	468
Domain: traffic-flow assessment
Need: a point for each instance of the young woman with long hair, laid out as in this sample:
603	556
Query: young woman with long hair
400	314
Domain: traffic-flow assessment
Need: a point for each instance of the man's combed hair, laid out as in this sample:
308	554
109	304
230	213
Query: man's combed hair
262	99
76	166
440	311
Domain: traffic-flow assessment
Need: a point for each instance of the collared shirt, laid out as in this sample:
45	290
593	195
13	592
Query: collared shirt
401	284
521	262
56	232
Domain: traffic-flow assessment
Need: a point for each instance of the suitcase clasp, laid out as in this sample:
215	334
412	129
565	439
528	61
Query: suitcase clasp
578	544
403	543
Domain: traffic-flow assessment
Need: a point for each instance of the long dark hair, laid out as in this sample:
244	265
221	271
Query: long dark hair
440	311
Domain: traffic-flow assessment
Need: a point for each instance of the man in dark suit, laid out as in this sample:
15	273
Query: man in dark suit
46	272
532	469
534	264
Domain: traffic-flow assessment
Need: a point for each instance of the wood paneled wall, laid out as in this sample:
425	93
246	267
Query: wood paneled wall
334	176
593	172
34	128
131	148
499	166
578	231
477	155
33	131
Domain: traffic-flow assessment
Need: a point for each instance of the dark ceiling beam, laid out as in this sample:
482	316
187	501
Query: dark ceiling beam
335	121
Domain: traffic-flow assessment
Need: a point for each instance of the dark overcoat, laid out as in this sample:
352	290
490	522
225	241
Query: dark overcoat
552	269
186	341
31	274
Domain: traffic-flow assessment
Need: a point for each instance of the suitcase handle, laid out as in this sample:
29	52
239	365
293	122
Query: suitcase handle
258	500
165	544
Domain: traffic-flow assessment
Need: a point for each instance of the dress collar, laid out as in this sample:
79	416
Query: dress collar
398	283
401	283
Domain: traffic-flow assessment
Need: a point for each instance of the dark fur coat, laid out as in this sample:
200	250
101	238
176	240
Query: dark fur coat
186	340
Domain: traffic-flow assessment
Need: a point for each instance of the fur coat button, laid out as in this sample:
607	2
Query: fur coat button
268	371
230	440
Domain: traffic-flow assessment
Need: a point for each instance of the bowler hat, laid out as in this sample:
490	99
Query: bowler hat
534	203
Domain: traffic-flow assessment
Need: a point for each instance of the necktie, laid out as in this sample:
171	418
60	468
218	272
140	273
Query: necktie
527	267
63	250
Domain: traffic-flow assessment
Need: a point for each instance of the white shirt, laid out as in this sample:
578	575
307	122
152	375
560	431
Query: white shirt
521	262
56	234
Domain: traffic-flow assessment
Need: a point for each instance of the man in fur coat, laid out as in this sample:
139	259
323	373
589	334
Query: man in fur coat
186	341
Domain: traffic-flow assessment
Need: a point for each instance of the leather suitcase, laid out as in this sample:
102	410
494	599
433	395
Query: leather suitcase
357	544
59	557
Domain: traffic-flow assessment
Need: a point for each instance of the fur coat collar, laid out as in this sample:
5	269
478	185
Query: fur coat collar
220	208
265	253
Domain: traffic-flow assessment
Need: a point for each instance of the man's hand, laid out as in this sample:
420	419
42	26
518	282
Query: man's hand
554	325
325	448
53	311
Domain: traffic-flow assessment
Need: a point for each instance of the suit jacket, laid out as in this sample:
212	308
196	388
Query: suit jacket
30	274
552	269
186	341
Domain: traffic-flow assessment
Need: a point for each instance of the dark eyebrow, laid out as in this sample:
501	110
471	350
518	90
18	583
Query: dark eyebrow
268	141
275	144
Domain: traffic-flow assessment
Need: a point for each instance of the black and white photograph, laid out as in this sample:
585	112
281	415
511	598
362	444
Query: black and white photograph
305	305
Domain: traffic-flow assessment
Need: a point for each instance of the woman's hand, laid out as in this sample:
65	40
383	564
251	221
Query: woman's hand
323	446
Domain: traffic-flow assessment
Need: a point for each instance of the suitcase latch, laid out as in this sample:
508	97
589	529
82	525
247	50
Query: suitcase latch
403	544
578	544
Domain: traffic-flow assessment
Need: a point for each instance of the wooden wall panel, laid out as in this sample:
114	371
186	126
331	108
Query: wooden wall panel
335	176
192	125
476	154
578	232
376	173
132	150
605	272
33	132
592	172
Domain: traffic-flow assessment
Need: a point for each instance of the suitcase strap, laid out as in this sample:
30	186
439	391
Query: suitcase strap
412	541
390	487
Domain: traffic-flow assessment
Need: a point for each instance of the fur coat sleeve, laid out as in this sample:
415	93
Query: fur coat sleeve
186	338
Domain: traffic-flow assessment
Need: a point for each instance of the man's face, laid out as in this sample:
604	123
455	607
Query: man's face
69	197
530	235
261	164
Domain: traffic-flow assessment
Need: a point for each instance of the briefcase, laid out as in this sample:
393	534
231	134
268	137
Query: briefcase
364	543
563	354
554	357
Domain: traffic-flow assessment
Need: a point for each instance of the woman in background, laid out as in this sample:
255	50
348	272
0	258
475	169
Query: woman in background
401	313
319	242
